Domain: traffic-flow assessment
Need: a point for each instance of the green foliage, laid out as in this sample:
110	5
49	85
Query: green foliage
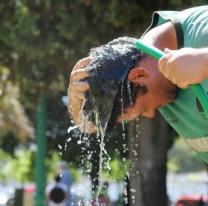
23	163
51	165
119	168
4	159
21	167
52	169
184	159
180	5
19	30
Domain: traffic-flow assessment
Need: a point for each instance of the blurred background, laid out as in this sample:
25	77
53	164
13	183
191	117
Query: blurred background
40	42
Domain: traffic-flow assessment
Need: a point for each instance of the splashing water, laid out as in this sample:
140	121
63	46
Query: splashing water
108	75
108	82
72	128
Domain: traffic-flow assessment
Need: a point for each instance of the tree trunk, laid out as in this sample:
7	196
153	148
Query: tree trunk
148	143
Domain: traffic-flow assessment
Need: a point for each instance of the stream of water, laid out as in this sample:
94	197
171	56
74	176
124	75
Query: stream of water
108	82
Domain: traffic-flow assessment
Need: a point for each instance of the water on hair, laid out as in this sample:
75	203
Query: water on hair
99	102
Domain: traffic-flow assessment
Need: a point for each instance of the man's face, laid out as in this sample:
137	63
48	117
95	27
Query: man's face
160	91
145	106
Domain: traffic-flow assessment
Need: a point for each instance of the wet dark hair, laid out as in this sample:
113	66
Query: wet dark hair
126	97
110	90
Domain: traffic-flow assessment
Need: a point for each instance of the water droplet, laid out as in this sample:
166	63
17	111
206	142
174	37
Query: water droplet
72	128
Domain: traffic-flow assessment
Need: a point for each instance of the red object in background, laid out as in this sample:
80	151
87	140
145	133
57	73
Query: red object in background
192	200
29	189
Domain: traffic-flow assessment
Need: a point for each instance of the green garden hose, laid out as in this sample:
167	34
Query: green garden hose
196	88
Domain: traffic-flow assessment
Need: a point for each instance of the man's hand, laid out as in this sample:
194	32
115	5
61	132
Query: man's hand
76	98
77	86
185	66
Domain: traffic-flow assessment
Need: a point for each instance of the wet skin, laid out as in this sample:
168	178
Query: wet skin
160	91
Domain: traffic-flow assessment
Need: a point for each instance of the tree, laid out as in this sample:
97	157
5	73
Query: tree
149	142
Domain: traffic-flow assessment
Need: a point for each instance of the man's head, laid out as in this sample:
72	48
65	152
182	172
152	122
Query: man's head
125	83
159	91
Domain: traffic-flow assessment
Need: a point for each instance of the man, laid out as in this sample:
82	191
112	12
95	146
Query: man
66	179
166	82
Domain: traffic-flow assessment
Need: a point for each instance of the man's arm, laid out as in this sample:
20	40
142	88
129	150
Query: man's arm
185	66
76	98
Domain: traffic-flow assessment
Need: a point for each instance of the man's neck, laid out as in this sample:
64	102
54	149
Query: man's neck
162	36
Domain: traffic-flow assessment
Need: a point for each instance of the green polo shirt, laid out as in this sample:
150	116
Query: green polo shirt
186	114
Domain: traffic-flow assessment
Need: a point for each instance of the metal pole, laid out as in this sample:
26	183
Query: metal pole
40	154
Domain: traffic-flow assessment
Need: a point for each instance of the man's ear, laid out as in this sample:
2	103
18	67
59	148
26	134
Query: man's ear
137	74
